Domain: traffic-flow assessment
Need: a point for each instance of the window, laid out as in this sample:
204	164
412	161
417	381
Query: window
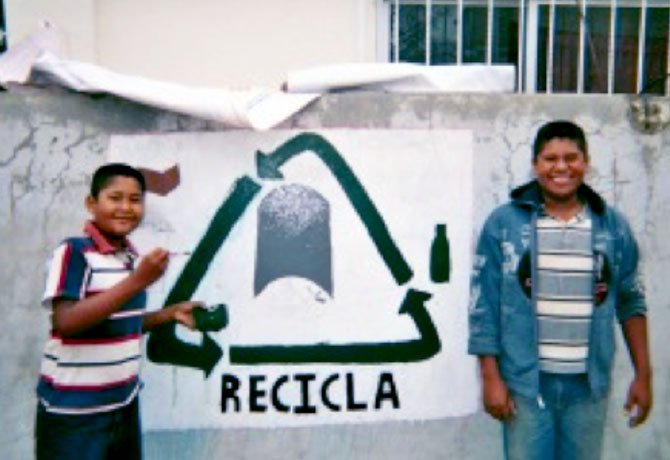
557	46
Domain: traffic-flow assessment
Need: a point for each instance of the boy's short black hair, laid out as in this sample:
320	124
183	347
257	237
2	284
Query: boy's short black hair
560	129
105	173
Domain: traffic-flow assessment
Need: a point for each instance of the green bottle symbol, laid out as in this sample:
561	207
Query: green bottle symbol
440	260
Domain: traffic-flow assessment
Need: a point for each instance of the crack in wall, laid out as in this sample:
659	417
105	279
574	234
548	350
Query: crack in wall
61	180
20	187
27	142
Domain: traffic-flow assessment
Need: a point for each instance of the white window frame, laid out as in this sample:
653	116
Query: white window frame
531	30
528	22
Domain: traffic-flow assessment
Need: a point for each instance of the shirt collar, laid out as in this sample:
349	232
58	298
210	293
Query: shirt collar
580	217
102	244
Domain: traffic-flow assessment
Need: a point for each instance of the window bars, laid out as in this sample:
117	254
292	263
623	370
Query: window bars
557	46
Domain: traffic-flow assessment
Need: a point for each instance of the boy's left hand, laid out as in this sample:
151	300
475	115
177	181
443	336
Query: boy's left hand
183	313
638	403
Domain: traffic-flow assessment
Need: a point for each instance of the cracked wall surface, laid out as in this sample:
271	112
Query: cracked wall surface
52	140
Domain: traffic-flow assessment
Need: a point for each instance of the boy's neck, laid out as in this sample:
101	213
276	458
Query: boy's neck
563	209
117	242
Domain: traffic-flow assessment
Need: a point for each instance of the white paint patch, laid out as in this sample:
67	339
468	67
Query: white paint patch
415	179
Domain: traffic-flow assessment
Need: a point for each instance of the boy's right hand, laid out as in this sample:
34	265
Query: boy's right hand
152	266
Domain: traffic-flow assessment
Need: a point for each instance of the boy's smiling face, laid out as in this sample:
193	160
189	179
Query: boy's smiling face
560	167
119	207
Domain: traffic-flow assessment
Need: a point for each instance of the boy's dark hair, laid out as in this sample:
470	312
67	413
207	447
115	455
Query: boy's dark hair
105	173
560	129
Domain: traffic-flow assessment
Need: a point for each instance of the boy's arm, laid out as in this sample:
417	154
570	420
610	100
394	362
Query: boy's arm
181	313
484	322
484	309
640	394
631	312
71	317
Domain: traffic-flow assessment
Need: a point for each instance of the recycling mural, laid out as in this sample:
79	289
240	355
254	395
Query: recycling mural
336	263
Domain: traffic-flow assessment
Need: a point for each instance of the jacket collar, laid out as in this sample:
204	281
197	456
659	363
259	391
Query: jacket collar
102	244
529	195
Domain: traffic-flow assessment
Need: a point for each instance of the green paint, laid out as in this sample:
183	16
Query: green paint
268	168
361	353
163	345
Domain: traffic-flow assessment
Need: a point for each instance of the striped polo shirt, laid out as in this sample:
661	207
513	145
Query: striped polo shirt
564	293
96	370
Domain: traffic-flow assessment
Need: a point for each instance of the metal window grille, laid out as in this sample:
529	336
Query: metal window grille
557	46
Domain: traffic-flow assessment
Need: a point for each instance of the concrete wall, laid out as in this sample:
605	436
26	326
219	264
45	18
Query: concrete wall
205	42
52	140
75	19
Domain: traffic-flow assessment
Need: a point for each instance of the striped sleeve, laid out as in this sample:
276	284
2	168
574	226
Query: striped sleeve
67	272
